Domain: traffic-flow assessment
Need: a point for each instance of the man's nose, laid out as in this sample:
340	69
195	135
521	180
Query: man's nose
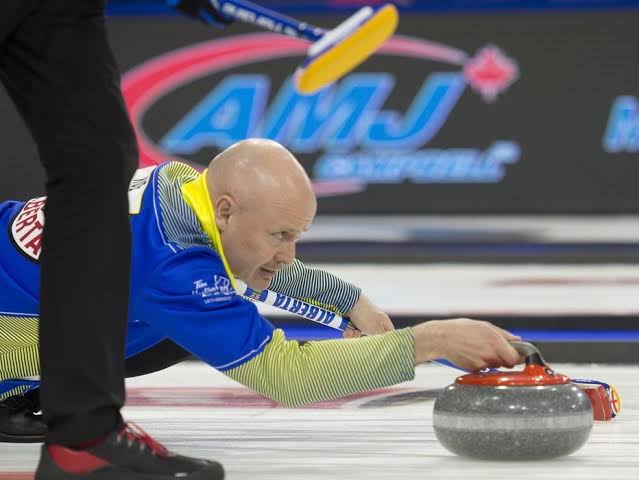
286	253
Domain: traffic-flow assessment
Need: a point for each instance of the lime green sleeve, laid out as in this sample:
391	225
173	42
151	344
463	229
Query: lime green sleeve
294	374
19	354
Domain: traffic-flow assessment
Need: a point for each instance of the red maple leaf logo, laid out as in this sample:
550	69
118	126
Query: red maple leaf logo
490	72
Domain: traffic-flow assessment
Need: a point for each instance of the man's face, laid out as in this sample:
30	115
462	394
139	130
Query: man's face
257	241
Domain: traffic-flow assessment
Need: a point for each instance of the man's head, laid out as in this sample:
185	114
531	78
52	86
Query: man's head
263	201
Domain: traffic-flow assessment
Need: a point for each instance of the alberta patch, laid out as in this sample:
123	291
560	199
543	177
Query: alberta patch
217	289
27	228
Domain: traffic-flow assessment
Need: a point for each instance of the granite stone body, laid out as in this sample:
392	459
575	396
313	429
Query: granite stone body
512	422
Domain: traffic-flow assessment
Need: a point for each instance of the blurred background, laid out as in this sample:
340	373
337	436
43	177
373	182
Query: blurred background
484	164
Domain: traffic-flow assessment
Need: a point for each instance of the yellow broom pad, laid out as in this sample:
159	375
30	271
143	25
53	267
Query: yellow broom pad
347	54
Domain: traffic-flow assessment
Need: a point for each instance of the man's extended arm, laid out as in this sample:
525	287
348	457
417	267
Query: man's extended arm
184	301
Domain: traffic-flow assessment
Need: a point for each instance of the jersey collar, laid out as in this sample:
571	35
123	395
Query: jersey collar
196	195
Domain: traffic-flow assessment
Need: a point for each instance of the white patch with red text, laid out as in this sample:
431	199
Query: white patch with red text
27	227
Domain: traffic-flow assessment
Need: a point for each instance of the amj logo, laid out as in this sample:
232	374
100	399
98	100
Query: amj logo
622	132
359	140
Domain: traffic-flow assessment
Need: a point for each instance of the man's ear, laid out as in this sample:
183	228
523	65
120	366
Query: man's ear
225	207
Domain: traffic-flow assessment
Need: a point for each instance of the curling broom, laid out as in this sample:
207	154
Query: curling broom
333	53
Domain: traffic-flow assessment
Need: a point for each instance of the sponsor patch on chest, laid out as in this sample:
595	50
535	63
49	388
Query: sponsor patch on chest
27	228
217	289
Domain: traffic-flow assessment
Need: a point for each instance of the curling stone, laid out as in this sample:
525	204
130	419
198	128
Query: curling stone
520	415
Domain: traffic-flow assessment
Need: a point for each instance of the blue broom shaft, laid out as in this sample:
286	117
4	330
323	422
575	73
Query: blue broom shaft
296	306
252	13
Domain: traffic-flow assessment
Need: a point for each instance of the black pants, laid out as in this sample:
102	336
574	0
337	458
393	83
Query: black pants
161	356
57	66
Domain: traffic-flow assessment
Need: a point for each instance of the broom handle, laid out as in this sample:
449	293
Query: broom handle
293	305
263	17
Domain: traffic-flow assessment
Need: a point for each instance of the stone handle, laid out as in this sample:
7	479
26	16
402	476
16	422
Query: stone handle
530	353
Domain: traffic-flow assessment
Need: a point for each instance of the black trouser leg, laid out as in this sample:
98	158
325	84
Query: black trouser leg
161	356
59	69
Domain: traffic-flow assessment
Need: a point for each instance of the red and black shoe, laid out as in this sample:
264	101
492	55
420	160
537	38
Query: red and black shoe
127	454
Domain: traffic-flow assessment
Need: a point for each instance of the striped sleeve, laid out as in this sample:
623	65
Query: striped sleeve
294	374
19	355
315	286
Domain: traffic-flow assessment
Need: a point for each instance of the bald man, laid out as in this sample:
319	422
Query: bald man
193	235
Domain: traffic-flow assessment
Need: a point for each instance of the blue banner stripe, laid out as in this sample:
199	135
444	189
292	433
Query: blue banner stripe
159	7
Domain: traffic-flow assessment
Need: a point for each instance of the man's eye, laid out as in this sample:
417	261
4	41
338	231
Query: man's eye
280	235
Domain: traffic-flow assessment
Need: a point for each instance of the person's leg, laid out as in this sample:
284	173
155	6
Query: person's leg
58	68
163	355
18	419
12	13
19	370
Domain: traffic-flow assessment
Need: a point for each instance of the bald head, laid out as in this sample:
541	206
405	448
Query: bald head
263	202
257	172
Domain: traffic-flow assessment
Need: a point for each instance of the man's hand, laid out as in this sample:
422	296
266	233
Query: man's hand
368	319
203	10
468	343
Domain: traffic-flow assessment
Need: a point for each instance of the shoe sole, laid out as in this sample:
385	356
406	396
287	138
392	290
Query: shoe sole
47	470
8	438
119	474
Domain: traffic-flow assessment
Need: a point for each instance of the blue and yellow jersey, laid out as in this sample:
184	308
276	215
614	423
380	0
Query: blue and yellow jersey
182	289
